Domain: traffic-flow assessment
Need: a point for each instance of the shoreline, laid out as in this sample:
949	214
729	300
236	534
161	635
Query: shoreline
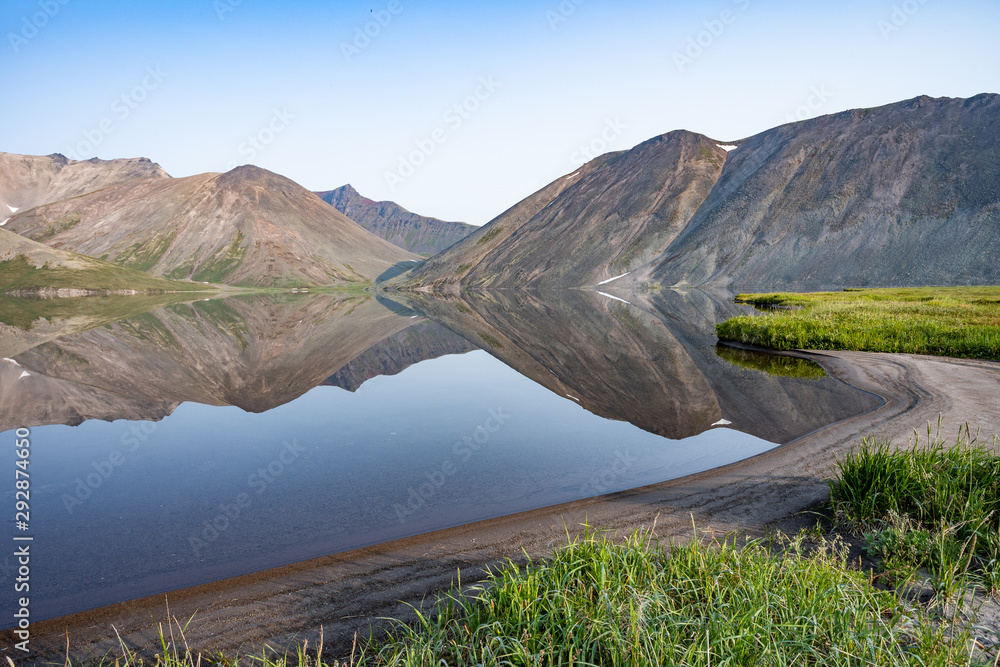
347	592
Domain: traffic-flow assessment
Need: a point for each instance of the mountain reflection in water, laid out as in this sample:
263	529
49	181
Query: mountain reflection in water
207	439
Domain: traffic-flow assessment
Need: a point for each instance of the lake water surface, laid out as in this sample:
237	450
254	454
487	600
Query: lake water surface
203	440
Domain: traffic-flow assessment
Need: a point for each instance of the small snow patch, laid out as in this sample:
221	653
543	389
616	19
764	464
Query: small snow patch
12	209
611	296
4	222
574	398
11	361
24	374
726	147
573	174
722	422
605	282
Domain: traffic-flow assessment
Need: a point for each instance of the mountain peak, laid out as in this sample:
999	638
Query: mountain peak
610	216
245	173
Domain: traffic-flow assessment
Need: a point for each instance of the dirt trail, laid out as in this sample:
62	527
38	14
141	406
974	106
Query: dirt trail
344	592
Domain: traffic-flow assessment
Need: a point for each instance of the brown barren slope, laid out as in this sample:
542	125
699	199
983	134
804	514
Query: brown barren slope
446	270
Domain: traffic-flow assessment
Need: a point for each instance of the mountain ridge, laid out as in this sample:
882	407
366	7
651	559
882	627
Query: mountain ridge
27	181
610	221
417	233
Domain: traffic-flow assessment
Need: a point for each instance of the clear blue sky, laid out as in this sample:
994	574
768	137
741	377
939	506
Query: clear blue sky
298	87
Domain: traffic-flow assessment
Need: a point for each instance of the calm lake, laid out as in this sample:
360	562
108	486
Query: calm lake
176	444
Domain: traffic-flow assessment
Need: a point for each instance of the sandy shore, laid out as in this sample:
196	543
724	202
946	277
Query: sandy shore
345	592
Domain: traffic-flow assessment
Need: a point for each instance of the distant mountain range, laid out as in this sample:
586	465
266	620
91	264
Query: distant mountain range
904	194
388	220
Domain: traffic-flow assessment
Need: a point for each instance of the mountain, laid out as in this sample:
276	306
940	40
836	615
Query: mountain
392	222
904	194
446	270
27	181
28	267
614	215
247	226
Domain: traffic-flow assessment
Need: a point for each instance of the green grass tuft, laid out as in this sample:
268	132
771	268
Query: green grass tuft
933	507
224	262
144	256
56	227
598	601
491	341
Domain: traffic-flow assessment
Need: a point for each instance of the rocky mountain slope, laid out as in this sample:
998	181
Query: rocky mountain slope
248	226
904	194
392	222
612	216
27	181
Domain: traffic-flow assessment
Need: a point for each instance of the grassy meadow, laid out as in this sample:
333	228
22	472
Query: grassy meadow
948	321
